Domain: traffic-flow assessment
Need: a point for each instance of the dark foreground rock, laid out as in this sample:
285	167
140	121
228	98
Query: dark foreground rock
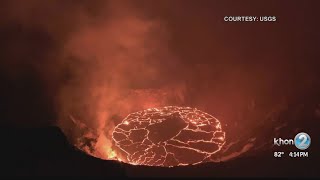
45	151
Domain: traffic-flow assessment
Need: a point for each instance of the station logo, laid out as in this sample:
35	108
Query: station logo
302	141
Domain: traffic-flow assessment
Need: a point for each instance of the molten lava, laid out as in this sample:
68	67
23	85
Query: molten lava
168	136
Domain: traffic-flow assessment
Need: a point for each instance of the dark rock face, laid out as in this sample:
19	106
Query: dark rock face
45	151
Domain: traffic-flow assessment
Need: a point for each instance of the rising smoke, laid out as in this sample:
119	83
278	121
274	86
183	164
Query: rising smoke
105	60
116	66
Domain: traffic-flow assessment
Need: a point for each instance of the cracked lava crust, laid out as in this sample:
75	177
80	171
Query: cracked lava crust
168	136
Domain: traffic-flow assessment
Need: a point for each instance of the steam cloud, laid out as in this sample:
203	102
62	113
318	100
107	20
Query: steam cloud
117	66
104	65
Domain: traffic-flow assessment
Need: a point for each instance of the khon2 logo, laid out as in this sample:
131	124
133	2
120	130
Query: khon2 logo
302	141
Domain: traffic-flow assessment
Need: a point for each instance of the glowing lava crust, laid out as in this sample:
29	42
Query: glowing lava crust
168	136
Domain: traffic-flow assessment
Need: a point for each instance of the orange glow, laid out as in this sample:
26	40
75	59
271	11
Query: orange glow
149	138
